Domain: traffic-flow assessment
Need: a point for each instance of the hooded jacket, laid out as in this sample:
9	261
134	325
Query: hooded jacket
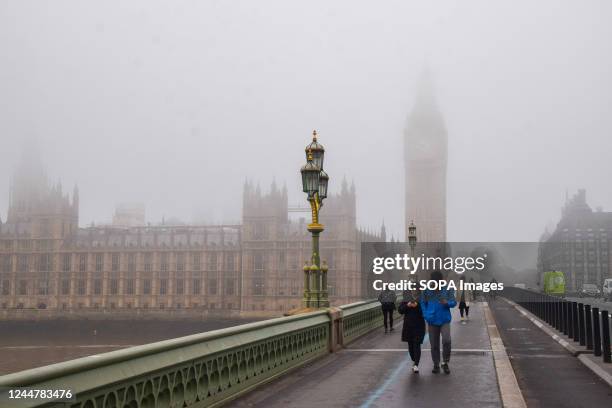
434	312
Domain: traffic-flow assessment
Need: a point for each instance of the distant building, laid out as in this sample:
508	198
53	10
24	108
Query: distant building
425	148
48	262
129	215
580	244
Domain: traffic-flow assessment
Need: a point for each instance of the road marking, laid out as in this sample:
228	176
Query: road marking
532	318
511	394
380	390
458	351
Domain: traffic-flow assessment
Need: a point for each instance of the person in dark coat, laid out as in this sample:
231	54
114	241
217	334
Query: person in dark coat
413	331
387	305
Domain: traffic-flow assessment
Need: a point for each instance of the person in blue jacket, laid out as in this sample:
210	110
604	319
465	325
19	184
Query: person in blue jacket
436	305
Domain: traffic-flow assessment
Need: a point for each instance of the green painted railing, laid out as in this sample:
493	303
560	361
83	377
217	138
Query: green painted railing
200	370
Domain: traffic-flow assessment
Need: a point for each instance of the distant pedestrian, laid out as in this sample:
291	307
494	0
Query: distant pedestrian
413	330
466	297
387	304
474	292
436	305
492	292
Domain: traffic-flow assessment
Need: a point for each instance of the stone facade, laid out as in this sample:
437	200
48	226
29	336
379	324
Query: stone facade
579	246
48	263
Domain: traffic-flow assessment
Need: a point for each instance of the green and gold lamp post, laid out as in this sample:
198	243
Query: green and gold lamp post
314	184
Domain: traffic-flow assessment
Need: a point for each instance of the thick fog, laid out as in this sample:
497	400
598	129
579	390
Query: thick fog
173	104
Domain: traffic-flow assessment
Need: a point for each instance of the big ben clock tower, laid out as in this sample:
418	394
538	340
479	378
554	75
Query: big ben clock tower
425	157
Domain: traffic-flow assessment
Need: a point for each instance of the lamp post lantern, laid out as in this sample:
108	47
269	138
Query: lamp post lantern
314	184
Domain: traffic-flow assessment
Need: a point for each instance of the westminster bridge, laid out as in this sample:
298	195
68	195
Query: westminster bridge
512	352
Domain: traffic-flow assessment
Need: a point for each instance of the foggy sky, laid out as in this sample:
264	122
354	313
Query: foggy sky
173	104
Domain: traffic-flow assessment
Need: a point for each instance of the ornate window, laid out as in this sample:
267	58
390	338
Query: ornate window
196	286
146	287
82	262
115	262
65	287
97	287
180	286
148	262
212	261
66	262
129	290
99	262
131	263
114	286
196	262
180	261
6	287
22	263
164	262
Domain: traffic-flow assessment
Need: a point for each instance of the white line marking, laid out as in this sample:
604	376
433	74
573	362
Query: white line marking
422	349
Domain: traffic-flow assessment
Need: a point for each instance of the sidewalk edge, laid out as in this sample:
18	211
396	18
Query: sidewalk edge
596	369
582	355
542	326
511	394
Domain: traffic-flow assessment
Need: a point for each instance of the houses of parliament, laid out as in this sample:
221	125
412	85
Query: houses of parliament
50	266
48	262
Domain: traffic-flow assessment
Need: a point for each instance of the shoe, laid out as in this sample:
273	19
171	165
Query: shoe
445	368
386	330
415	369
436	369
391	329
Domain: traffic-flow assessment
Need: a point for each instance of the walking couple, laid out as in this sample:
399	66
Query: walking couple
433	307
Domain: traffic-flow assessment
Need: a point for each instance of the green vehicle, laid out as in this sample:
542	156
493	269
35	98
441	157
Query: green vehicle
554	283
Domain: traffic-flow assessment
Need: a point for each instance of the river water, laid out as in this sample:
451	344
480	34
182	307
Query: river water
25	345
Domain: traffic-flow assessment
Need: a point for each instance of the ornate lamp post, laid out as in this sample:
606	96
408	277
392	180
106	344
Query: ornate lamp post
314	183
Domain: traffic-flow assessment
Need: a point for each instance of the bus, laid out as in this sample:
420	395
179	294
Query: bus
554	283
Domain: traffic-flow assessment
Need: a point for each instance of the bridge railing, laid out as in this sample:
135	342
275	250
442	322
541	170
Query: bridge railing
589	326
200	370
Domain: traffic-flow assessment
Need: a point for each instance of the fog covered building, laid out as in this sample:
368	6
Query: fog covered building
580	244
425	158
48	262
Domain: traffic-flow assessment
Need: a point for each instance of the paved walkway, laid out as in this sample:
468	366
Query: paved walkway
375	371
548	375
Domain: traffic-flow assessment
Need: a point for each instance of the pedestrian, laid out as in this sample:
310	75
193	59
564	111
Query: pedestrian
492	293
436	305
466	296
413	330
474	292
387	304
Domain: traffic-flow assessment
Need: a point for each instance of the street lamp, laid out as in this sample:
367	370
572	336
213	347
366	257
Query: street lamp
314	184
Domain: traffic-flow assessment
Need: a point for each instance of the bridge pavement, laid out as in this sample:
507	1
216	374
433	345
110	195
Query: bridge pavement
547	374
375	371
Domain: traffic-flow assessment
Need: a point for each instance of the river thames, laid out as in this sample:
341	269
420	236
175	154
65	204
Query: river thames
29	344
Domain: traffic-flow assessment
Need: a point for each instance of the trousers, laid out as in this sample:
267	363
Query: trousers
435	332
414	348
388	316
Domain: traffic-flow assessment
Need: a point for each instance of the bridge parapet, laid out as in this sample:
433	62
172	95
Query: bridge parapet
200	370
